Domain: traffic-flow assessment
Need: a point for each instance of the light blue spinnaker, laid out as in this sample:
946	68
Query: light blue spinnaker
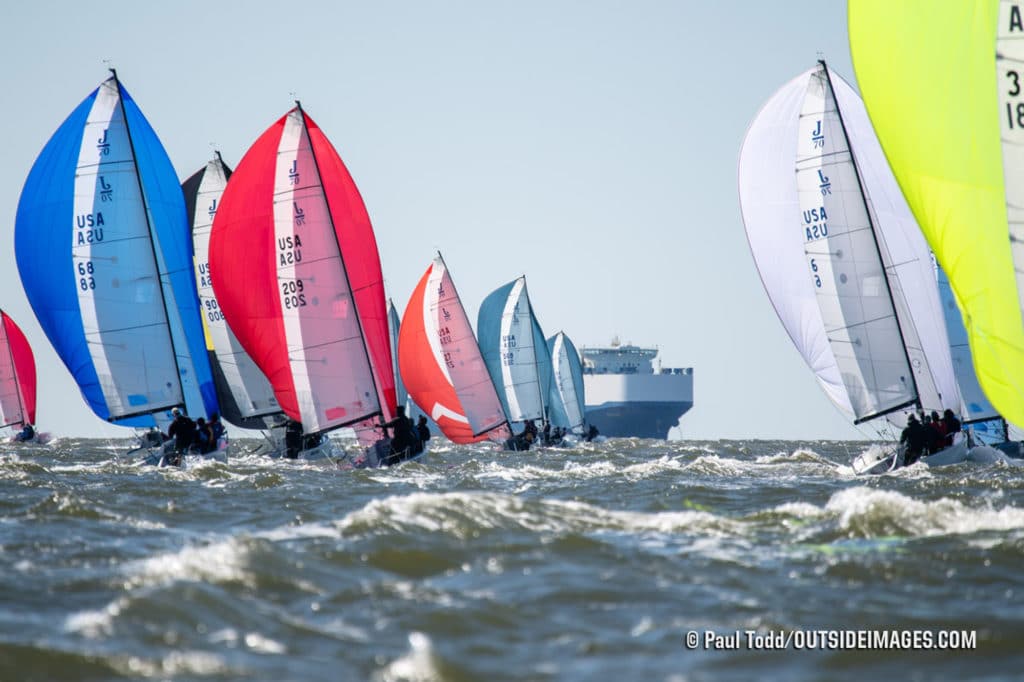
567	399
515	351
103	249
977	409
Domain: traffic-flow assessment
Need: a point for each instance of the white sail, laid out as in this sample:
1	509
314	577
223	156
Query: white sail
907	258
1009	59
519	372
330	367
567	380
250	389
394	323
12	410
124	315
844	262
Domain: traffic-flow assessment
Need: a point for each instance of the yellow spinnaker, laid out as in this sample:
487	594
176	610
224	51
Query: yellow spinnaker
927	73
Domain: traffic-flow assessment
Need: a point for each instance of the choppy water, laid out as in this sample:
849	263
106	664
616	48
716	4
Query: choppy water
590	563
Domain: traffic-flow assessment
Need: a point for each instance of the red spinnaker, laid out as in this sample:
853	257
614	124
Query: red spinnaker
256	255
435	330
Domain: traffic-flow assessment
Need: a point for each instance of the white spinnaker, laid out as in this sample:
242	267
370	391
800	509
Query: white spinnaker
11	410
518	357
455	348
844	263
250	388
329	363
123	313
563	380
770	208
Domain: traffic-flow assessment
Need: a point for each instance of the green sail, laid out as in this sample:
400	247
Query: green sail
939	101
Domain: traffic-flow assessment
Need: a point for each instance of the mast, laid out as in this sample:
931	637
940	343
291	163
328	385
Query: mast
152	247
344	270
878	250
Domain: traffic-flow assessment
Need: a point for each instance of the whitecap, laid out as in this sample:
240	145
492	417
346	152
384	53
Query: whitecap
418	665
263	645
225	561
926	518
461	514
178	663
94	624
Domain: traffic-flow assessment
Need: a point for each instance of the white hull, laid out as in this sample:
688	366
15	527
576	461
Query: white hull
879	461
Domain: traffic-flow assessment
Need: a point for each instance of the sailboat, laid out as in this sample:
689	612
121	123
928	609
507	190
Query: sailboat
515	352
441	362
567	399
296	272
841	257
245	395
953	135
17	380
118	300
394	323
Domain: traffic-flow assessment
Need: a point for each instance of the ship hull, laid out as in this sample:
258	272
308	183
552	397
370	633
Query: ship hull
637	420
637	405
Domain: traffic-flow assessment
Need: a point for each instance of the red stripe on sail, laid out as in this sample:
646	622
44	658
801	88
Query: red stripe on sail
243	269
362	261
335	413
423	378
24	366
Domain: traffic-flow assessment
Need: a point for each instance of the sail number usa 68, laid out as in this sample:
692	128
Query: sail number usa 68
85	278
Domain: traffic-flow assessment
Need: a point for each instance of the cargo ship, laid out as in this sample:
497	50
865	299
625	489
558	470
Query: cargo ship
627	396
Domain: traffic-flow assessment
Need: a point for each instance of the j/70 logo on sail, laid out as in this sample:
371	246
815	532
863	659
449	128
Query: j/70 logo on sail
102	145
818	137
106	190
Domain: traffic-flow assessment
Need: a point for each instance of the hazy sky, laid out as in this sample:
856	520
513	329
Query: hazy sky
589	145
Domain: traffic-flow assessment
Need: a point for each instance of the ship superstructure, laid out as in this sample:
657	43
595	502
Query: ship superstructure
628	396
